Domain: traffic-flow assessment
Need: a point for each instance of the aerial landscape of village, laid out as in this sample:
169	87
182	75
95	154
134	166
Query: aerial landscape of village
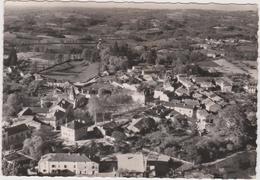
93	91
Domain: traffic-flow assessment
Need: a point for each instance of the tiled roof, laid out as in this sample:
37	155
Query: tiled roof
66	157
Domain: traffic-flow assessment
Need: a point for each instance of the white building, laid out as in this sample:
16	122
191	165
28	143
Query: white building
75	163
161	95
138	97
132	163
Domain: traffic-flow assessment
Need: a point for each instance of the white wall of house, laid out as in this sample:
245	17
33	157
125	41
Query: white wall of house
184	111
79	168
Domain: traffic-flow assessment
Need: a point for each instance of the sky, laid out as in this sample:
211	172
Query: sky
215	6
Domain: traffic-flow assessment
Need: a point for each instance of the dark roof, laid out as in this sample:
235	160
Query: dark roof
110	125
75	125
15	157
147	121
39	110
66	157
16	129
64	104
59	114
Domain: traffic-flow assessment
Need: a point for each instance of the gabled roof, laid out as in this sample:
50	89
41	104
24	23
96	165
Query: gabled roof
65	157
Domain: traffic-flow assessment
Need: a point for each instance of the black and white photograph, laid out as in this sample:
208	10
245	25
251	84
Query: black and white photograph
129	89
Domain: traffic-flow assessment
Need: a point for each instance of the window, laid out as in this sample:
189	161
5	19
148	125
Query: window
44	170
53	166
74	166
93	167
65	166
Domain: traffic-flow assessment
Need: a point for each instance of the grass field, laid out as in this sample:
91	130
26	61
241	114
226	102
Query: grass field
74	71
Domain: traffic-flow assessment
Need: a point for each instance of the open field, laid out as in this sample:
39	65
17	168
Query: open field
228	68
73	71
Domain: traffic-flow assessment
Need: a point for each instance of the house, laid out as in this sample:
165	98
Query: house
181	108
202	120
75	163
16	157
197	95
225	86
211	106
184	80
214	97
167	86
102	117
203	82
39	111
31	111
30	121
141	125
184	109
157	164
55	119
138	97
181	91
161	95
15	135
251	89
62	105
202	114
74	130
132	87
57	113
131	165
38	77
191	102
174	115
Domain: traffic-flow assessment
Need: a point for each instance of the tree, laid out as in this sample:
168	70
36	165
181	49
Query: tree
149	56
115	49
58	58
8	111
86	54
91	151
45	133
152	56
33	147
14	103
12	59
9	169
